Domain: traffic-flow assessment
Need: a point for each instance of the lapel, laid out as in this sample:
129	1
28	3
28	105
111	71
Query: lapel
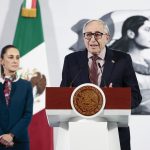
108	67
2	97
83	63
13	89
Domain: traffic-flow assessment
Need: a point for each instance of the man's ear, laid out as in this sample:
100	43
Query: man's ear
130	34
108	38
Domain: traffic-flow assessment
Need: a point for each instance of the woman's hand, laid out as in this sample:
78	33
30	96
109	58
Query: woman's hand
7	140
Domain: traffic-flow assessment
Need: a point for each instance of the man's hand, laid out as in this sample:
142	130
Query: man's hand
110	85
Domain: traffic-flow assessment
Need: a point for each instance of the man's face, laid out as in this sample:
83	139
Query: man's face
143	38
98	41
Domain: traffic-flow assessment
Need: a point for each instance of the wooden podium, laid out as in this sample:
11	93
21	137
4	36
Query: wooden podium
60	114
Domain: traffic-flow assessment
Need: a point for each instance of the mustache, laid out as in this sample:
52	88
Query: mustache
96	41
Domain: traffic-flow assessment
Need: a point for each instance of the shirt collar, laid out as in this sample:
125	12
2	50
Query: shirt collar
2	80
100	55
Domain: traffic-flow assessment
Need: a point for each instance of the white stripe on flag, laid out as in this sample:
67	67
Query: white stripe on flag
36	59
28	4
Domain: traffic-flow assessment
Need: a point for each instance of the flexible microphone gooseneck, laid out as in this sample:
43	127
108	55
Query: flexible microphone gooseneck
76	76
100	67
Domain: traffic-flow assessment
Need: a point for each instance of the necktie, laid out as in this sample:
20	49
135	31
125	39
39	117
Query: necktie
7	90
94	70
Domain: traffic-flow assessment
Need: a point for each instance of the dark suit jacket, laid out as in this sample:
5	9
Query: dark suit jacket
16	117
118	70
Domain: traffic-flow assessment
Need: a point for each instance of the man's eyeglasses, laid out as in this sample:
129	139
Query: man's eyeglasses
97	35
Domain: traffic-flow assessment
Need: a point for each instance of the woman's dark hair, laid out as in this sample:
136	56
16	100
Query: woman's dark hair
3	51
132	23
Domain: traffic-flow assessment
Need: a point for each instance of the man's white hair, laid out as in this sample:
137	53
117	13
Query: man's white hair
106	29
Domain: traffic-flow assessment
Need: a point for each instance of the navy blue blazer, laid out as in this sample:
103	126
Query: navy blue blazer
16	117
118	70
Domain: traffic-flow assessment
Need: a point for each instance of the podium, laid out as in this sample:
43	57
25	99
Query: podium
74	128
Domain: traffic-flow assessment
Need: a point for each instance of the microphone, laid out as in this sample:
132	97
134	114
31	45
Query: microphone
76	76
105	85
100	67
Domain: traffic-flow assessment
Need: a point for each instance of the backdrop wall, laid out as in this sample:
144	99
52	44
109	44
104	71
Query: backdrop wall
58	17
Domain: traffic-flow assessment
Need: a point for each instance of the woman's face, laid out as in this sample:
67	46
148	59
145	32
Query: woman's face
10	61
143	38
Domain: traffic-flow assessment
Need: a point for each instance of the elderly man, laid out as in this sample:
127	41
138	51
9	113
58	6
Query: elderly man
102	66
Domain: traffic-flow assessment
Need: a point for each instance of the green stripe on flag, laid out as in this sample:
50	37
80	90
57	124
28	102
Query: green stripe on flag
24	4
29	33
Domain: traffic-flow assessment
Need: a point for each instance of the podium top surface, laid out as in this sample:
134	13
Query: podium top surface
116	98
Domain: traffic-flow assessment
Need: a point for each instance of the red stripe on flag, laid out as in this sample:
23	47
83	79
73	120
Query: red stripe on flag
34	3
41	135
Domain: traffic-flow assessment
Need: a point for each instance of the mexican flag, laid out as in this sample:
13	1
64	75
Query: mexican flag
30	42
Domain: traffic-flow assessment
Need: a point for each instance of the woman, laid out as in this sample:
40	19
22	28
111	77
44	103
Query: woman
135	41
16	103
